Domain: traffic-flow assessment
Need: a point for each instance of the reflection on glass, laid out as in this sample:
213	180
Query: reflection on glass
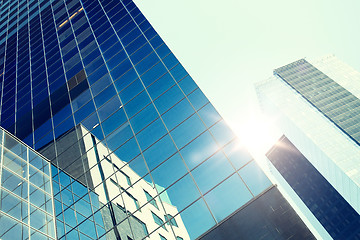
155	196
228	197
26	200
122	203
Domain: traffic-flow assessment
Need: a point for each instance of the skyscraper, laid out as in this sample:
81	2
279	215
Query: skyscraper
316	104
136	149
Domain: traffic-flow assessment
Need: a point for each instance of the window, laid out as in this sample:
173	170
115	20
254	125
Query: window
179	238
136	202
151	199
158	220
162	237
114	182
127	179
170	220
144	227
107	159
71	17
137	205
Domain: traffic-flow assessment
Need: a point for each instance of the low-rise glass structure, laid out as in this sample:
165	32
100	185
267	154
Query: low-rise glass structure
26	194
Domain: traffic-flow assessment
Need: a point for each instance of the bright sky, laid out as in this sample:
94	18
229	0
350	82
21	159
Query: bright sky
226	46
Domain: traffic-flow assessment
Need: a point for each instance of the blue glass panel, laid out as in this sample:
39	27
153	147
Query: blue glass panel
197	99
109	107
151	134
131	36
209	115
177	196
254	178
177	114
60	229
197	219
116	48
14	184
121	69
131	91
141	53
88	227
147	63
169	171
187	131
107	43
143	118
83	112
101	84
62	114
227	197
119	136
80	100
116	60
128	151
138	165
69	216
11	229
64	179
160	86
168	99
137	103
97	74
222	132
178	72
134	45
237	154
125	79
43	130
154	73
163	51
67	197
156	41
114	121
159	152
64	127
211	172
170	61
79	189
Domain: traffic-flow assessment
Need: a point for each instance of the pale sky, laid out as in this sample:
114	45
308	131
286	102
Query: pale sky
228	45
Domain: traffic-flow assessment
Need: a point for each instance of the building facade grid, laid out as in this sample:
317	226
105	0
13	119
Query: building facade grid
101	67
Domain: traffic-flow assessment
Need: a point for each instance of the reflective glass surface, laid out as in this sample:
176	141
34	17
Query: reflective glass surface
92	86
26	197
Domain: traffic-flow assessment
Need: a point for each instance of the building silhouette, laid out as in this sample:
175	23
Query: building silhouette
136	149
316	104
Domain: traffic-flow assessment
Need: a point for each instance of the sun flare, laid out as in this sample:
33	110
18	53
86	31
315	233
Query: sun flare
257	134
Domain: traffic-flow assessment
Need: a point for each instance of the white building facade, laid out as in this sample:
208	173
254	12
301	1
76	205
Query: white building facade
315	104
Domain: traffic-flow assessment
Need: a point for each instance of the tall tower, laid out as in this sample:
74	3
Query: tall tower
137	150
316	104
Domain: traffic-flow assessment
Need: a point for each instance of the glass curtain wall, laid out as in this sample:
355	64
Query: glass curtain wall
26	199
88	83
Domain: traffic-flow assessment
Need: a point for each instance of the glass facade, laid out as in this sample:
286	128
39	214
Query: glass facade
336	215
26	198
314	104
137	150
334	101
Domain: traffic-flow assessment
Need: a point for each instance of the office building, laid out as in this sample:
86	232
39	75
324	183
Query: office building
316	105
26	192
136	149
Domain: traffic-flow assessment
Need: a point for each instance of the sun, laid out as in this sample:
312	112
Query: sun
257	133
